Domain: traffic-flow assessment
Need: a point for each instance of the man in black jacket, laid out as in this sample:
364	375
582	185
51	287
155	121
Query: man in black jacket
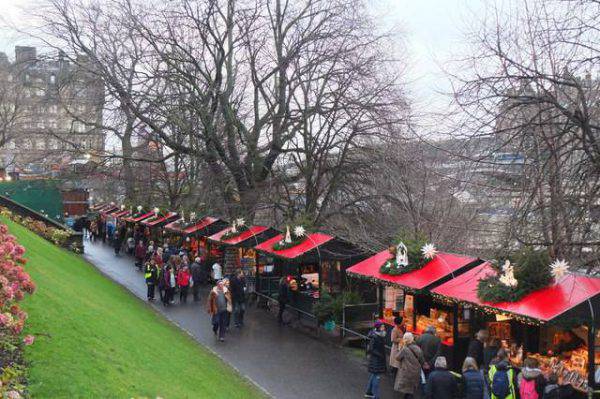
430	344
441	384
196	270
476	347
377	363
237	284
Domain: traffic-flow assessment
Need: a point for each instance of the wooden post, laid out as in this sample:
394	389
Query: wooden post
380	300
414	295
591	366
454	352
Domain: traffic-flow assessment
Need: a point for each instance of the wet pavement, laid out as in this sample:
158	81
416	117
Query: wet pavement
284	362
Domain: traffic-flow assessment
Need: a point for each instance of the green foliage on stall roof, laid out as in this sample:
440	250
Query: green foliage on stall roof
531	270
416	260
330	307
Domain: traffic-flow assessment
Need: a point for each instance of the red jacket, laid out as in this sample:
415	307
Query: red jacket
183	278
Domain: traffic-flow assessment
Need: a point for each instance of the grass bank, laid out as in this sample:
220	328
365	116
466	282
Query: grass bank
96	340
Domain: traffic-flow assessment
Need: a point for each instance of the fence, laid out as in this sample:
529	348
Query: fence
75	239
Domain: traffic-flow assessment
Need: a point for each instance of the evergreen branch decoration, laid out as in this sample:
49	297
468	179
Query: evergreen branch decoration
291	238
406	258
522	273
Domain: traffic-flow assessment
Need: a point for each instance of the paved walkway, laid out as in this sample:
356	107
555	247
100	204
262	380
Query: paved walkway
288	364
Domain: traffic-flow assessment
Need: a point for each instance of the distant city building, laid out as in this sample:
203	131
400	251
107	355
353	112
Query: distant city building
50	113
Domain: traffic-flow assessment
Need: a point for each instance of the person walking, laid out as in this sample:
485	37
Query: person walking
502	378
472	380
218	304
530	380
217	272
376	354
184	278
410	360
196	271
396	339
151	276
441	384
476	350
430	344
283	297
140	254
238	296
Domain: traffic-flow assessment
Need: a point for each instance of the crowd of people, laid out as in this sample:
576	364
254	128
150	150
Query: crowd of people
177	269
419	370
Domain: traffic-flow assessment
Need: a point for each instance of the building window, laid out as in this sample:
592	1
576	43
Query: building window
11	145
53	109
52	79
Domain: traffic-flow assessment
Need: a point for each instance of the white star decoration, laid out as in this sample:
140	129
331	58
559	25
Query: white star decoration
429	251
299	231
240	222
192	215
139	208
156	210
559	268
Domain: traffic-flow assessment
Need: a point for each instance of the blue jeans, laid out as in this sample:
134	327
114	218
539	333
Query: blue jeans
373	385
239	308
219	323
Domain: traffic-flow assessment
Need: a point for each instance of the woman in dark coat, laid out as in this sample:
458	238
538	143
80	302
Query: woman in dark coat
472	382
377	363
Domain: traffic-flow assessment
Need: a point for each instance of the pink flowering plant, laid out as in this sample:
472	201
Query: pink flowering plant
15	283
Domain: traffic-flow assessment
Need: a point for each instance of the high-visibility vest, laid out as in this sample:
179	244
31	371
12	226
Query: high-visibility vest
511	385
148	273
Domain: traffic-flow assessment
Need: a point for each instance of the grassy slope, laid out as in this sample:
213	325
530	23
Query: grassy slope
103	342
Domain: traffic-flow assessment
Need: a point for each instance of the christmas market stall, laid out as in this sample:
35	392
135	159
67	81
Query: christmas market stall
403	277
549	314
315	262
192	231
237	243
153	226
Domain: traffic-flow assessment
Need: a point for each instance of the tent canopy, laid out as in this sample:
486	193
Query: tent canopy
313	241
251	232
206	223
544	304
144	216
157	221
442	266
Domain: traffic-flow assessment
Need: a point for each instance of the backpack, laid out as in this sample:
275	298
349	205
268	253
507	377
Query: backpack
527	389
500	384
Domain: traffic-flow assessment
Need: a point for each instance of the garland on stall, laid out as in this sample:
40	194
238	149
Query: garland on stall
408	258
292	238
237	227
139	212
521	274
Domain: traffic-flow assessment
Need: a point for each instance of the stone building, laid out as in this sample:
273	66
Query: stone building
50	112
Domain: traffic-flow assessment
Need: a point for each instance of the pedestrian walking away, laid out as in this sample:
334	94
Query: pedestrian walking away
151	276
218	304
184	279
238	296
282	298
441	383
502	378
473	384
377	363
196	271
396	339
430	345
409	376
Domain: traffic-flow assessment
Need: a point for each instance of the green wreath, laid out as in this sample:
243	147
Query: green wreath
282	245
531	270
416	260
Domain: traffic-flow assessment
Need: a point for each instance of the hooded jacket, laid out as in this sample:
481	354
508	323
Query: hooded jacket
376	352
534	374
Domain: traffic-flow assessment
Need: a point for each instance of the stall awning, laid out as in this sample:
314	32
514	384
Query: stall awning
252	231
200	225
121	214
157	220
313	241
545	304
133	219
444	265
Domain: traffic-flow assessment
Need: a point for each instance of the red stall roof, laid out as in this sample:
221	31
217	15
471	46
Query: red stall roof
139	218
544	304
251	232
443	265
313	241
202	224
151	222
107	209
122	214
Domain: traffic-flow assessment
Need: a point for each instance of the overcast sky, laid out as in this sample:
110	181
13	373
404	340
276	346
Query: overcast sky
431	31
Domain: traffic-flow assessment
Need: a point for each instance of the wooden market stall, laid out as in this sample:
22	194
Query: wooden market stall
318	263
239	253
556	324
408	295
153	226
193	235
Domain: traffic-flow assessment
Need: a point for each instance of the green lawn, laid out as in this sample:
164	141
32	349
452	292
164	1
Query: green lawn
96	340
